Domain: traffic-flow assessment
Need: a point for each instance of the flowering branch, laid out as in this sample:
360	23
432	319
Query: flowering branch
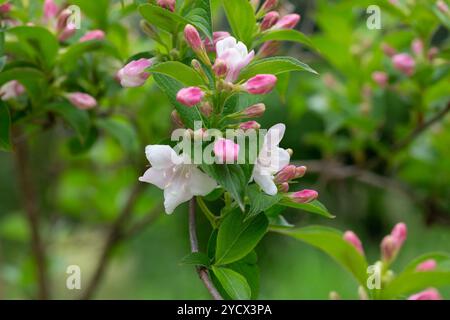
202	272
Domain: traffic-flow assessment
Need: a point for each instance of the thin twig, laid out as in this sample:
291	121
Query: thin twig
202	272
31	207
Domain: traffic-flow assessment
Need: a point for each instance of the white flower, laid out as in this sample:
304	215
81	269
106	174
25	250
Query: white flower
271	159
235	55
179	180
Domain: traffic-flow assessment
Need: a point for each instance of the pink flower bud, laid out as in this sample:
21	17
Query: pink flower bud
269	48
269	5
442	6
380	77
288	21
388	50
432	53
133	74
93	35
67	32
217	36
426	265
50	9
11	89
249	125
404	63
63	17
5	7
304	196
353	239
286	174
193	38
389	248
176	119
81	100
399	233
190	96
428	294
283	187
220	68
167	4
269	20
256	110
206	109
226	151
417	47
300	172
260	84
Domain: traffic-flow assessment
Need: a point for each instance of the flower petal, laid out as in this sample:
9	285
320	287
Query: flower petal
174	195
265	181
200	183
162	156
159	177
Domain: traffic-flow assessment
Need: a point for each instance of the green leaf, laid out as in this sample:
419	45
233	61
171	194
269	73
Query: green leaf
236	237
231	177
274	65
43	42
5	127
76	118
241	18
248	268
162	18
332	243
241	100
312	207
178	71
286	35
171	86
122	131
233	283
200	16
259	201
197	259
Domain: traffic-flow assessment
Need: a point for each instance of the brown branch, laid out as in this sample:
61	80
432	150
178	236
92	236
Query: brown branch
202	272
31	208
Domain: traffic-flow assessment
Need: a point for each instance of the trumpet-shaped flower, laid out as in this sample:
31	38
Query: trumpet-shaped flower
271	159
179	180
236	56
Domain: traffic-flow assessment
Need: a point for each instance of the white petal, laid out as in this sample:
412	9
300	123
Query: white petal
161	156
159	177
242	49
174	195
283	159
274	135
266	183
200	183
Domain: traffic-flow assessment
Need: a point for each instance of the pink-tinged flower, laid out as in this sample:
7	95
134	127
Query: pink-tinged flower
68	31
235	55
286	174
167	4
442	6
304	196
260	84
288	21
226	151
269	20
81	100
176	118
268	49
353	239
269	5
283	187
399	233
417	47
254	111
220	68
300	172
63	17
217	36
271	159
249	125
133	74
192	38
428	294
380	77
190	96
50	9
388	50
93	35
427	265
175	174
5	7
404	63
11	89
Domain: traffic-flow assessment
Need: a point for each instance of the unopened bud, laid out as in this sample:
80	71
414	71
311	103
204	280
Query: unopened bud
254	111
249	125
427	265
300	172
176	118
220	68
304	196
206	109
286	174
353	239
389	248
269	5
269	20
388	50
193	38
283	187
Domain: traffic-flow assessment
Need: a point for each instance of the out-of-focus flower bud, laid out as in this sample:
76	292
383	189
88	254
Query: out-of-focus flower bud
432	53
133	74
177	119
399	232
190	96
50	9
206	109
428	294
283	187
167	4
427	265
389	248
269	20
380	78
404	63
288	21
226	151
260	84
304	196
354	240
93	35
249	125
5	7
388	50
82	100
63	17
417	47
193	38
11	89
442	6
217	36
67	32
269	48
254	111
220	68
269	5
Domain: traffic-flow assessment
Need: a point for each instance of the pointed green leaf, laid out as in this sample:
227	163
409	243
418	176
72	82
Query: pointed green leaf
196	258
286	35
233	283
241	18
313	207
178	71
